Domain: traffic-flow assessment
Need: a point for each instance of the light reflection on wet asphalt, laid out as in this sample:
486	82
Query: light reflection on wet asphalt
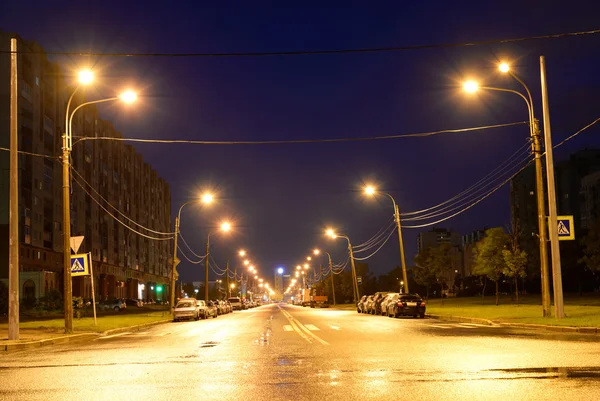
308	354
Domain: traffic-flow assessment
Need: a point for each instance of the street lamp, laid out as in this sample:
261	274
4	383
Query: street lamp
332	234
534	132
372	191
85	77
225	227
206	198
318	252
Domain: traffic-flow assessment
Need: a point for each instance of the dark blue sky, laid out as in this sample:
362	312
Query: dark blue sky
282	196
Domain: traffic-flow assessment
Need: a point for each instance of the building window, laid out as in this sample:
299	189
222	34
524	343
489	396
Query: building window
39	255
37	81
35	200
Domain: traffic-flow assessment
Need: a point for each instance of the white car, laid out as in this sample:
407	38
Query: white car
236	303
186	308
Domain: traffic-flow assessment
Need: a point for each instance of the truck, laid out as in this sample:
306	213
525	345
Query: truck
305	297
319	301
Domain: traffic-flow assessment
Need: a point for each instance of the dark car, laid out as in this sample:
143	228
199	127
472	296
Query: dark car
377	299
132	302
406	305
361	304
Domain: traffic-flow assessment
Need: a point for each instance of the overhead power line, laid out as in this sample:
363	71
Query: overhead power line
318	52
299	141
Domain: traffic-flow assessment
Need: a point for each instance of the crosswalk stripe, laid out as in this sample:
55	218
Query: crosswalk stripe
311	327
334	327
287	327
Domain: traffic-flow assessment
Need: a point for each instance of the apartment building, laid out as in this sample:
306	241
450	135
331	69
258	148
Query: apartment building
112	188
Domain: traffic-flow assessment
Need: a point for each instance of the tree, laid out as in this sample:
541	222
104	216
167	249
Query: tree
515	258
591	248
433	265
488	256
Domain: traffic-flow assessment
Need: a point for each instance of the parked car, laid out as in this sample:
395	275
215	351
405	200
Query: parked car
186	308
384	304
228	307
115	304
210	310
133	302
406	304
377	299
219	307
368	304
361	304
236	303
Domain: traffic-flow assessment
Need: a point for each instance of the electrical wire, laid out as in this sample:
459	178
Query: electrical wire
509	161
474	203
299	141
374	239
575	134
317	52
378	249
188	259
188	247
459	203
215	263
32	154
115	208
117	219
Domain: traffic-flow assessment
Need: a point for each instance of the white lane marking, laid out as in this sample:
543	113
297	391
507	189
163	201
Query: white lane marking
248	317
438	326
115	335
312	327
334	327
476	325
287	327
462	326
161	335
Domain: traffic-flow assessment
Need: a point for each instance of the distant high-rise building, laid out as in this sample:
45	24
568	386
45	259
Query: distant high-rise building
436	236
108	177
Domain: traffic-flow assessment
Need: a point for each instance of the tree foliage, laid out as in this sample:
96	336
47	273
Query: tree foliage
591	248
433	265
488	255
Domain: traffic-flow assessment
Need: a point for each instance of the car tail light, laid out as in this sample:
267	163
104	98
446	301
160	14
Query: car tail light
422	303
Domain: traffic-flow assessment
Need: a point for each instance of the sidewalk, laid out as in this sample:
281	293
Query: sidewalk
47	332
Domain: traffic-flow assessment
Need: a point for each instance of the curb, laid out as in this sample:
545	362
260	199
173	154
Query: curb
48	341
133	328
463	319
560	329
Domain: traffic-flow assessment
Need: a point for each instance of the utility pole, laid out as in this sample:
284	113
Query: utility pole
559	312
227	279
175	263
542	222
331	272
354	283
400	240
68	290
13	253
206	269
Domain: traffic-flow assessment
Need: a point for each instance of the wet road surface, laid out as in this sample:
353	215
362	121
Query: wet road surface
284	352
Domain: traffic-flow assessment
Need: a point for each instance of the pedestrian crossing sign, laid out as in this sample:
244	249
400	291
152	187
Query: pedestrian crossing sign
79	265
566	228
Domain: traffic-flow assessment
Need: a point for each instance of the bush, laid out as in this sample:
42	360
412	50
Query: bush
53	300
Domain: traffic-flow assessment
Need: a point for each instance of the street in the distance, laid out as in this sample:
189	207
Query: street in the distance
266	353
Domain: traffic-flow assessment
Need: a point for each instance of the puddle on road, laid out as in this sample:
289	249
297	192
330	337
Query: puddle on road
209	344
592	372
264	337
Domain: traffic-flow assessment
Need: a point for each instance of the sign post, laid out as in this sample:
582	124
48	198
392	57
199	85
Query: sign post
93	288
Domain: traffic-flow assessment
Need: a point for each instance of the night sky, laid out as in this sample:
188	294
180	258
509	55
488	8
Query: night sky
281	197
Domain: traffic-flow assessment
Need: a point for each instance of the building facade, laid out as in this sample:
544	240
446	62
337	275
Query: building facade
112	190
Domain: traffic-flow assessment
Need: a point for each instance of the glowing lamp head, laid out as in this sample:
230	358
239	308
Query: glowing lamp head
85	77
330	233
470	86
226	226
306	265
370	190
128	96
308	258
280	270
316	252
207	198
246	262
504	67
242	253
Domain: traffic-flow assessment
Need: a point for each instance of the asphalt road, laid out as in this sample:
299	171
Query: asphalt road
284	352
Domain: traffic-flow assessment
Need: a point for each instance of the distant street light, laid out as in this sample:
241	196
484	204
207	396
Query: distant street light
329	232
371	191
225	227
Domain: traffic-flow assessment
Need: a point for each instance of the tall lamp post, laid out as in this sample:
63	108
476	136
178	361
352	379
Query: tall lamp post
86	77
371	191
206	199
355	291
535	134
316	252
225	227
